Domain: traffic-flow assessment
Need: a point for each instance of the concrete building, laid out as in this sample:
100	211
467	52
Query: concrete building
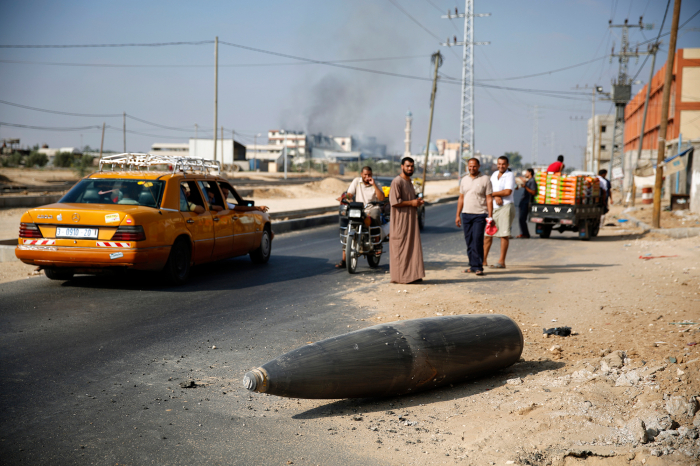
50	153
171	148
296	141
600	129
683	123
228	151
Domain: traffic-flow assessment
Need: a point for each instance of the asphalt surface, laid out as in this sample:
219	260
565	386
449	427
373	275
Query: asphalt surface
90	368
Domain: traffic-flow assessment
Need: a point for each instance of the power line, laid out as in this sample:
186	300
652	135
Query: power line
546	72
74	46
669	32
106	115
235	65
52	128
393	2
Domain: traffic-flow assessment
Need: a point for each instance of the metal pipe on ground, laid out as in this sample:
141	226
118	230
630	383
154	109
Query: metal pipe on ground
391	359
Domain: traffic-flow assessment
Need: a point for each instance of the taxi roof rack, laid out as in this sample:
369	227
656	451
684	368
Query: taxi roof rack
175	163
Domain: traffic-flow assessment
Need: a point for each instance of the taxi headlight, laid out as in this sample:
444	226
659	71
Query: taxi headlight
355	213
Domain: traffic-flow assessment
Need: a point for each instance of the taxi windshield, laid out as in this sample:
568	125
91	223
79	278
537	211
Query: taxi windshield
115	191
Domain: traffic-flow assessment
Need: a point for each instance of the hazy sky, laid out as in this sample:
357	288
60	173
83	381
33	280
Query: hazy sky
174	85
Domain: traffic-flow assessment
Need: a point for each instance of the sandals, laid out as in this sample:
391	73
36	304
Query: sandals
341	265
479	272
498	266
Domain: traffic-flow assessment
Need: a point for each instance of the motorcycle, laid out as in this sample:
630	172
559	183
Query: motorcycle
360	237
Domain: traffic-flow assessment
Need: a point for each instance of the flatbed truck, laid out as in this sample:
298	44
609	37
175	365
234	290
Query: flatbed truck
582	218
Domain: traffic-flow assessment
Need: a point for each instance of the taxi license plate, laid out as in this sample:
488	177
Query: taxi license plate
62	232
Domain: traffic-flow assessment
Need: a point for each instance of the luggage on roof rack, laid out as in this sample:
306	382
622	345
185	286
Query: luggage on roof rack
175	163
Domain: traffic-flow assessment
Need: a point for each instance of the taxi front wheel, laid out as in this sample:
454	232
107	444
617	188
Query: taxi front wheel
177	269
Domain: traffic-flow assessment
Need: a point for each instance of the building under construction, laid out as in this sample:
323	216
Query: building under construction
683	122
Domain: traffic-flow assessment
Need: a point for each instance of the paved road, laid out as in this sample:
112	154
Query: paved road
90	368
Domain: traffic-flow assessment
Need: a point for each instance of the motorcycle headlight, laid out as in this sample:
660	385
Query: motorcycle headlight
355	213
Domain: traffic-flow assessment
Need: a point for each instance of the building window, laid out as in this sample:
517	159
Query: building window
602	129
602	147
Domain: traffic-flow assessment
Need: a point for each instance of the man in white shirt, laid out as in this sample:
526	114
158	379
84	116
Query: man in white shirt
365	190
503	184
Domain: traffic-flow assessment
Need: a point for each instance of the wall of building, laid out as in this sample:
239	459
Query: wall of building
602	128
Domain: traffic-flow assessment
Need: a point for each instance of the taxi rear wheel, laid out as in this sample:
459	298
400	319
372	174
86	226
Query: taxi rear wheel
58	274
262	254
177	269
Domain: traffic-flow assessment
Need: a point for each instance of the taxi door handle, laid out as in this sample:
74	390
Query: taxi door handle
216	219
190	221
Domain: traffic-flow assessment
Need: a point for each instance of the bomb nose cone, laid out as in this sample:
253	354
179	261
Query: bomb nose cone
256	380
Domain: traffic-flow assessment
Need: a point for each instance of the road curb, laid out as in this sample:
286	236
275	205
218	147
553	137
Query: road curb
676	233
286	226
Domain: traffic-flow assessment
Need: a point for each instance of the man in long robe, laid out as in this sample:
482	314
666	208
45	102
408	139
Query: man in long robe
406	251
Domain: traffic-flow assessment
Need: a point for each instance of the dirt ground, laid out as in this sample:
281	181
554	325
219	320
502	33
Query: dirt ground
675	219
36	177
620	391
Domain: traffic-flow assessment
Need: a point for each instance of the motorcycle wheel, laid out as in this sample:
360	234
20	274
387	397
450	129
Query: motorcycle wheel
373	260
351	252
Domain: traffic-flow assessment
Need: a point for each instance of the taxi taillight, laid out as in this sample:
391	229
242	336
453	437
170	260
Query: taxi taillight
29	230
129	233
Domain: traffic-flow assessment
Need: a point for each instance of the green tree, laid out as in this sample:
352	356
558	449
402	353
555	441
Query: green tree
36	159
515	160
63	160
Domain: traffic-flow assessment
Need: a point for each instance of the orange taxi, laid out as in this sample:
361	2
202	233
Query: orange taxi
133	218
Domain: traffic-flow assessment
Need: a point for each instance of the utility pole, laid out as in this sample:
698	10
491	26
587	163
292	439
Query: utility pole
466	124
656	216
222	146
102	142
535	134
216	90
233	151
654	48
437	59
621	94
124	131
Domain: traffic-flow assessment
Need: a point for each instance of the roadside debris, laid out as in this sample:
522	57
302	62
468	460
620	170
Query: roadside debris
188	384
559	331
647	257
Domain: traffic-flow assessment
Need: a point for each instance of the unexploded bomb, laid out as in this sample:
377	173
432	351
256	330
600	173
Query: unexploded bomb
393	359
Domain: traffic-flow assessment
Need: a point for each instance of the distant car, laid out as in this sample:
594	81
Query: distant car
145	220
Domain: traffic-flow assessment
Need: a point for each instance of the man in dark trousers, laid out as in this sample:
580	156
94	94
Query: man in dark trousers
474	206
524	205
405	249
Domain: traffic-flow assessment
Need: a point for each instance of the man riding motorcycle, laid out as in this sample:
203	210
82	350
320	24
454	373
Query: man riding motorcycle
365	190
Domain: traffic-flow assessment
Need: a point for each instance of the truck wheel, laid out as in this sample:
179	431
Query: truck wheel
596	228
262	254
58	274
177	269
545	231
584	232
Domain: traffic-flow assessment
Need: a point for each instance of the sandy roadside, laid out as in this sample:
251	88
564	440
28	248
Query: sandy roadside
581	396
